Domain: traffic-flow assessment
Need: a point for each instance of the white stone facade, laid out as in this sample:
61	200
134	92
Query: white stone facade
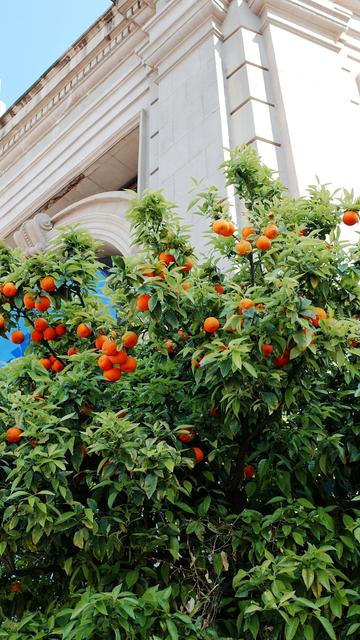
157	90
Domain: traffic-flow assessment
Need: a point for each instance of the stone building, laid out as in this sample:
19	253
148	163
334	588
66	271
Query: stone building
156	90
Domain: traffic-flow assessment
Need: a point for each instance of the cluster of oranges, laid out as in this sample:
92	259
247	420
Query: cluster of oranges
224	227
114	361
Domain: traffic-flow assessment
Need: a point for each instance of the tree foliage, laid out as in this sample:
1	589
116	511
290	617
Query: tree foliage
213	492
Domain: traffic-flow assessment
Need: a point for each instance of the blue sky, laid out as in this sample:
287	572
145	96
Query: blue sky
34	33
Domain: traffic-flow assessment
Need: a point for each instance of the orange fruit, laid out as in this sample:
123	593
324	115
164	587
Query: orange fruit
169	346
142	302
40	324
186	286
320	313
84	330
245	303
247	231
104	363
52	358
14	587
219	288
119	357
112	375
129	339
263	243
48	284
72	351
196	363
243	248
211	324
166	258
2	322
222	227
99	341
271	231
37	336
121	414
9	289
17	337
188	435
109	347
199	454
13	434
129	365
249	471
182	334
185	268
283	360
57	366
267	350
49	334
45	362
231	228
60	330
302	232
42	304
29	300
349	218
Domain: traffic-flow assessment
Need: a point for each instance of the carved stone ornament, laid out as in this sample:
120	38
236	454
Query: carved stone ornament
32	236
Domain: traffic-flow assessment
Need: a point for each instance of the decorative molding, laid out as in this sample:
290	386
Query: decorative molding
317	16
103	215
112	42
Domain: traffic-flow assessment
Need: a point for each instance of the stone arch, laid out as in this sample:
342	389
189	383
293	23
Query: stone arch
102	214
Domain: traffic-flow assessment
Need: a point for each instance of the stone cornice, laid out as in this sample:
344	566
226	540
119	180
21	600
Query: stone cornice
112	31
319	17
177	22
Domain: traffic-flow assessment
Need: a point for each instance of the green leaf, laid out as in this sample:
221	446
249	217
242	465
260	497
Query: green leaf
291	628
150	484
328	627
308	632
173	632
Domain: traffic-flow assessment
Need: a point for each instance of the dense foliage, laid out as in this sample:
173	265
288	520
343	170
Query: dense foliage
211	492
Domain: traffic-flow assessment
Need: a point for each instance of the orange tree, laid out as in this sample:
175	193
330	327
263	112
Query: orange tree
189	468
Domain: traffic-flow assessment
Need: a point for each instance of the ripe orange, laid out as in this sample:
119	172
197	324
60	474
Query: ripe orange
49	334
187	266
169	346
84	330
231	228
196	363
45	362
42	304
2	322
121	414
104	363
40	324
9	289
166	258
188	435
57	366
14	587
320	313
243	248
302	232
60	330
271	231
247	231
142	302
119	357
222	227
52	358
129	365
199	454
72	351
99	341
267	350
109	347
349	218
182	334
129	339
211	325
17	337
13	434
249	471
263	243
112	375
37	336
219	288
186	286
29	300
48	284
245	303
283	360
